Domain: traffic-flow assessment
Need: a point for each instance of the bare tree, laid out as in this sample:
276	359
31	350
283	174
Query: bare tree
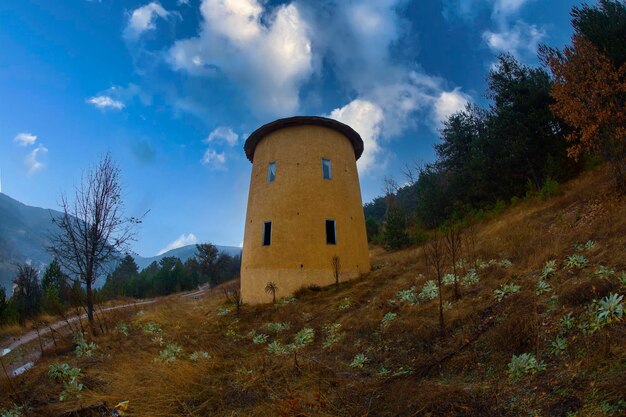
335	263
233	296
271	288
93	230
27	296
436	257
452	239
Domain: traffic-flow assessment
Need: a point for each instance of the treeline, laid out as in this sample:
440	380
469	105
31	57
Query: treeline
55	293
543	125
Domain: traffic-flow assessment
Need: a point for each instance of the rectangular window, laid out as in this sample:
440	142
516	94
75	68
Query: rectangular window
271	172
267	233
327	171
331	232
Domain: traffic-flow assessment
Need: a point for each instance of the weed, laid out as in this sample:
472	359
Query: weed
505	263
403	371
448	279
407	296
387	319
344	304
15	411
430	291
610	309
260	339
332	334
505	290
82	347
604	272
524	364
575	261
549	269
567	323
359	361
622	279
224	311
171	352
303	338
588	245
277	348
447	305
277	327
471	278
152	327
382	371
122	328
62	372
197	356
288	300
558	347
542	287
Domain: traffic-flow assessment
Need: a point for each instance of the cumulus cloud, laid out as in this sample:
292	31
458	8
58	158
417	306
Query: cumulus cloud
105	102
269	58
515	40
223	134
214	160
32	162
183	240
448	103
25	139
366	118
143	19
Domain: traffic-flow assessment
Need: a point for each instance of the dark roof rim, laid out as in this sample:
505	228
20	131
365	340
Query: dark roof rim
256	136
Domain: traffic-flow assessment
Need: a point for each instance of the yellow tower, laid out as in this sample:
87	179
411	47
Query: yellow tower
304	207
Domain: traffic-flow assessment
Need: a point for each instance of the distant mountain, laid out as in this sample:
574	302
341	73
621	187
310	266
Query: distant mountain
25	232
24	235
183	253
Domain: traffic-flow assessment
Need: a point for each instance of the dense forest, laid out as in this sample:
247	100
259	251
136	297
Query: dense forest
542	126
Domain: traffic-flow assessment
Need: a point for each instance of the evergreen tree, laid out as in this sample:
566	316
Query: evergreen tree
394	234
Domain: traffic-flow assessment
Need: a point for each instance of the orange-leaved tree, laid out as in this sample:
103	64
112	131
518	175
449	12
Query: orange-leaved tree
590	96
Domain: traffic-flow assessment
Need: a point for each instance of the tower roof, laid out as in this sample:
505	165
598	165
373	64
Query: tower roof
256	136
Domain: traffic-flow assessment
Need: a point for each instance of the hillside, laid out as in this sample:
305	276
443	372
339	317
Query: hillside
374	346
24	234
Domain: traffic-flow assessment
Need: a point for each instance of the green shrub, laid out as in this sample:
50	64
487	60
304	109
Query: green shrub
122	328
152	328
604	272
542	287
260	339
524	364
430	291
549	269
62	372
277	327
448	279
223	311
277	348
505	263
558	347
82	347
358	361
610	309
197	356
407	296
567	323
550	188
332	334
471	278
387	319
15	411
588	245
575	261
344	304
171	352
506	290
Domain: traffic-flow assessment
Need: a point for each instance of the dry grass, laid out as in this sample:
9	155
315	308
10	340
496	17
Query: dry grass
410	370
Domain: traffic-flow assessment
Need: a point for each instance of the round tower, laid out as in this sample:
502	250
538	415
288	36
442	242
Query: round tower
304	207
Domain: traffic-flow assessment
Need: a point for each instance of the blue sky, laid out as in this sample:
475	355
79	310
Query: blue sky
172	89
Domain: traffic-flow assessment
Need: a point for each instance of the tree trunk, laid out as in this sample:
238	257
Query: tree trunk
89	291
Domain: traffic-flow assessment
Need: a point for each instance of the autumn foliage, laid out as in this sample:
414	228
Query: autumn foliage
590	96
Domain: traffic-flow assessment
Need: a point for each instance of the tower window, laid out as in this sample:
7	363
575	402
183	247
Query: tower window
267	233
271	172
327	171
331	232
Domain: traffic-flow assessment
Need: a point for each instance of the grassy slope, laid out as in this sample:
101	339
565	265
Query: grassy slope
463	373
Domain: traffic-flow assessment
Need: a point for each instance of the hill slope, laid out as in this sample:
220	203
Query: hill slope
24	232
372	347
183	253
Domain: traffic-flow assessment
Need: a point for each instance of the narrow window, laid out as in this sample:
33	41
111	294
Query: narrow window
267	233
271	172
327	171
331	231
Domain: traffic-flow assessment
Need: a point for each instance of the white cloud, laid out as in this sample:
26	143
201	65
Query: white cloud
515	40
105	102
143	19
448	103
268	58
183	240
33	164
224	135
507	7
25	139
367	119
214	160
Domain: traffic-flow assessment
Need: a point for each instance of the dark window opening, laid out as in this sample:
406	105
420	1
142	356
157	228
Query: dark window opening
331	232
327	171
267	233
